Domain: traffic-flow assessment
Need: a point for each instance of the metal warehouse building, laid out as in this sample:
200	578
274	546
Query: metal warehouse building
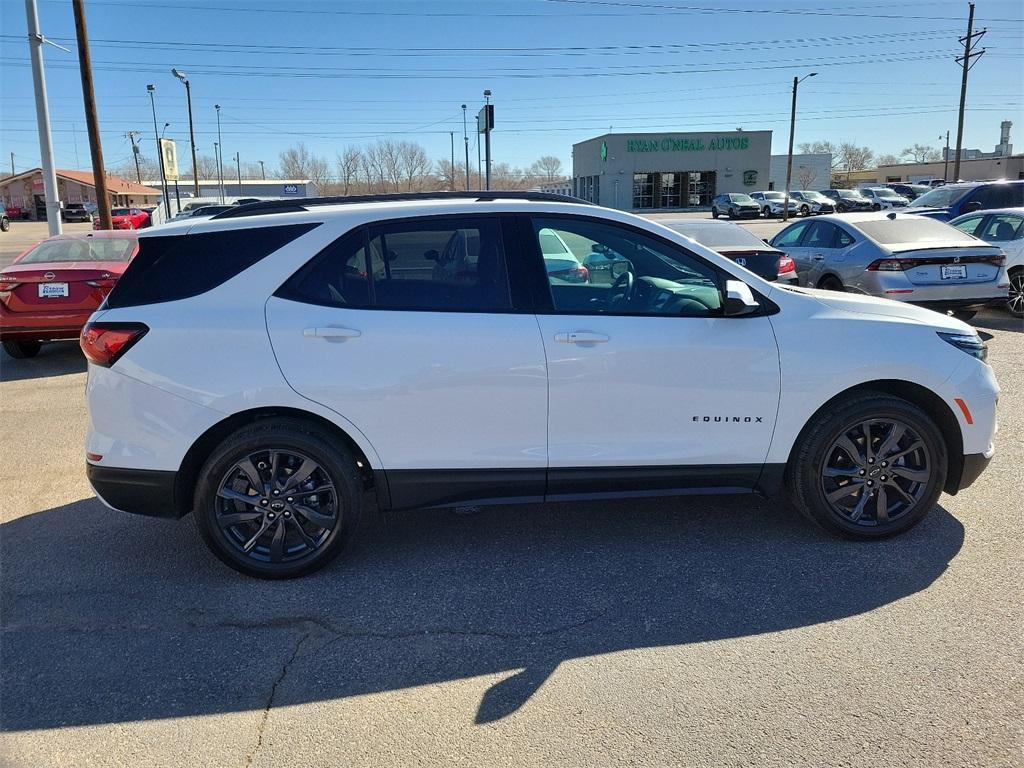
669	171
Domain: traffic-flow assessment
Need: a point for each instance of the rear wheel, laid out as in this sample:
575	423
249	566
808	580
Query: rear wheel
21	350
1015	301
5	224
871	467
830	283
714	212
278	499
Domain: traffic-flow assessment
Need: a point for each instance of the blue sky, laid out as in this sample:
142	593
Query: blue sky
333	74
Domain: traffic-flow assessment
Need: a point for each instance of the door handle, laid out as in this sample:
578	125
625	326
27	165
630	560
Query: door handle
819	257
581	337
331	332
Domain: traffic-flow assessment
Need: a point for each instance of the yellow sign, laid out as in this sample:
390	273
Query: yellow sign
170	153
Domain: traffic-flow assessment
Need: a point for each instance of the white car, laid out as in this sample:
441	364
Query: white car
258	370
773	203
1004	228
883	198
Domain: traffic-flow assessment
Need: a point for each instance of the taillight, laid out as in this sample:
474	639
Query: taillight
104	285
104	343
584	274
889	265
786	264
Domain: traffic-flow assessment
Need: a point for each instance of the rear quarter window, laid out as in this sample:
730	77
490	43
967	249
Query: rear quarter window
181	266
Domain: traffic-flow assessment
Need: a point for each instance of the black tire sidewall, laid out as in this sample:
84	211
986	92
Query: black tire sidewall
22	350
285	434
805	471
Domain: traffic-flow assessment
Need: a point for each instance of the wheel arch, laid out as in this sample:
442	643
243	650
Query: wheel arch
829	275
205	444
923	398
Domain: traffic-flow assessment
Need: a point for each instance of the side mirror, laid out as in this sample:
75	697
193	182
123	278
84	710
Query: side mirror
970	207
431	255
739	299
767	240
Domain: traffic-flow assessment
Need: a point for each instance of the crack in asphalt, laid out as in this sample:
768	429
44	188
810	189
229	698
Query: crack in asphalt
270	699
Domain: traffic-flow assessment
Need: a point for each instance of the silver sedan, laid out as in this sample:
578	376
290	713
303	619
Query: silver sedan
897	256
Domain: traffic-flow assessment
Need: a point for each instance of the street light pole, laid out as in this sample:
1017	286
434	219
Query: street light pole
789	159
945	165
159	150
263	171
238	167
191	130
220	156
35	45
465	140
452	135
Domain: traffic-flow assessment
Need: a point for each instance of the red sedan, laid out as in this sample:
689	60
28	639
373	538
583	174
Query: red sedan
126	218
51	289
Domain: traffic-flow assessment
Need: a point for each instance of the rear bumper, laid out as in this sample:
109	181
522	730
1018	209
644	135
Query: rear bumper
139	491
946	305
42	326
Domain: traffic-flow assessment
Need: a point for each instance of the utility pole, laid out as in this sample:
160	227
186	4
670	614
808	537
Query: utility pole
238	167
92	120
135	153
159	151
35	45
487	137
945	164
220	156
789	159
12	163
452	179
465	140
966	62
263	171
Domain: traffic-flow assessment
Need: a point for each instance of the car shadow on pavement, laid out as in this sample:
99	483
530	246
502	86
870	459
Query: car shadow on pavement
998	321
112	618
57	358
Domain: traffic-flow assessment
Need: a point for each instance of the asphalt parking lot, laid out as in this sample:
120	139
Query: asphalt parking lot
694	631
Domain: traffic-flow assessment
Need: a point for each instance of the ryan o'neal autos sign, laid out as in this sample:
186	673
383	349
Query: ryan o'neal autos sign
668	144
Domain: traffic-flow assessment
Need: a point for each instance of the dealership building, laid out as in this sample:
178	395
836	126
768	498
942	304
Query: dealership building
669	171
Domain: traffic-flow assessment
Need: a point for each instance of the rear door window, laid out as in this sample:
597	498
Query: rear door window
790	238
1001	228
970	225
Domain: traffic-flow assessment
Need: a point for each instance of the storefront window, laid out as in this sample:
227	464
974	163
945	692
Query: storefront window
671	190
596	197
701	188
643	190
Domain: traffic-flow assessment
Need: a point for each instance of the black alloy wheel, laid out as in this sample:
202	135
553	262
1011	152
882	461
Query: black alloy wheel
278	499
1015	300
867	467
805	210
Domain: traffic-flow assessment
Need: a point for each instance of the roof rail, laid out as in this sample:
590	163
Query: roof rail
303	204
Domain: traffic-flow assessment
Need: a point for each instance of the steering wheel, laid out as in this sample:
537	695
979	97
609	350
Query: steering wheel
622	290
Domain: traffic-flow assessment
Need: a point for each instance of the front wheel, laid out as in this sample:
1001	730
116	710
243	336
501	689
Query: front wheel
714	212
868	468
278	499
805	210
1015	300
21	350
5	224
876	207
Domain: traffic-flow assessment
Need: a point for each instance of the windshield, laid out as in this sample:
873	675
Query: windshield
773	196
849	194
940	197
884	193
814	197
915	229
741	198
718	236
62	251
121	212
550	244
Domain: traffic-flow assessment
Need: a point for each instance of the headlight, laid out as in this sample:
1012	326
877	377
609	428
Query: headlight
970	343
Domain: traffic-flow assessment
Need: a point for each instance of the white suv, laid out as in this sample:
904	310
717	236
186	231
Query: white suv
274	367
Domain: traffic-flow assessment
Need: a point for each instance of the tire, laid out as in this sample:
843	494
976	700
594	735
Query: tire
966	315
842	208
805	210
766	212
876	207
732	213
830	283
714	212
302	545
21	350
5	224
820	468
1015	302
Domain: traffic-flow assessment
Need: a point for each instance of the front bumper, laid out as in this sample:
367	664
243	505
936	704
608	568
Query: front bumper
973	465
139	491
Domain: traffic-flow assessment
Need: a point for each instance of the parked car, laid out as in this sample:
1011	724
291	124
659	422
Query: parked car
272	389
847	200
50	290
909	191
952	200
773	203
809	202
883	198
559	260
1003	228
897	256
932	183
79	212
5	222
126	218
735	205
738	244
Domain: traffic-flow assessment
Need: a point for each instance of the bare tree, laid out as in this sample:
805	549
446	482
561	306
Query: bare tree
922	153
349	163
854	158
414	165
549	166
888	159
451	178
299	163
805	176
822	147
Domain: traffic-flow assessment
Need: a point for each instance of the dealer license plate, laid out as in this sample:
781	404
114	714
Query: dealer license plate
52	290
955	272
